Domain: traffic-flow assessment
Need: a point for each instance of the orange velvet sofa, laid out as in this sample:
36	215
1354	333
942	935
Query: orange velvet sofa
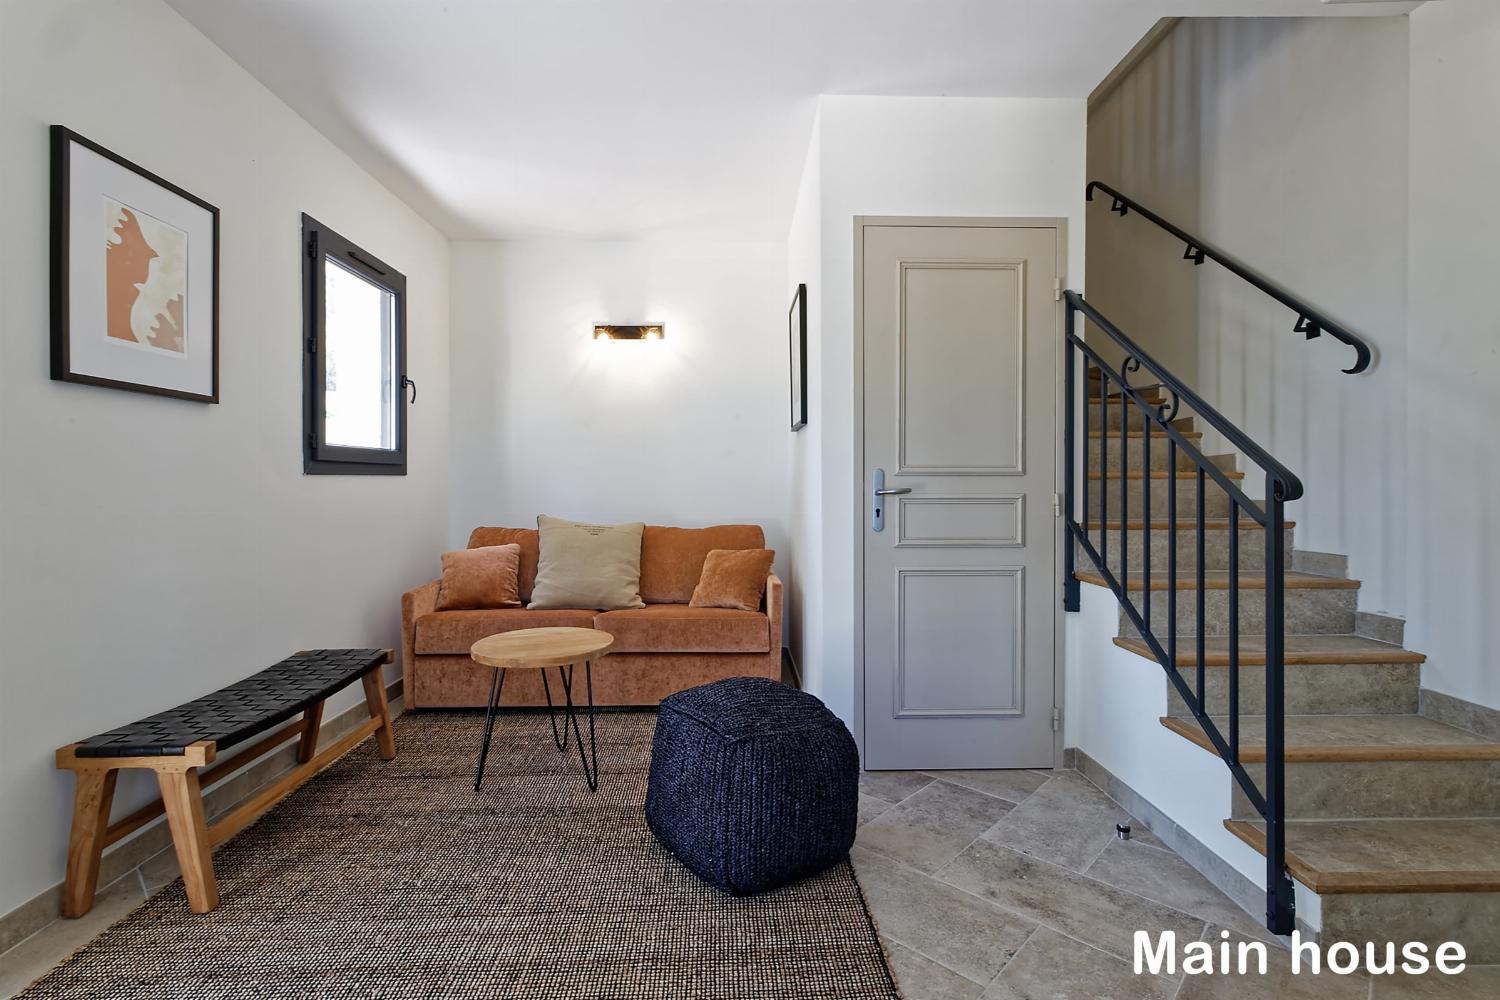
659	649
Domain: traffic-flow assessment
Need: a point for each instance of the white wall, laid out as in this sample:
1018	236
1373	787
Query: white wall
691	430
910	156
151	549
1453	409
805	483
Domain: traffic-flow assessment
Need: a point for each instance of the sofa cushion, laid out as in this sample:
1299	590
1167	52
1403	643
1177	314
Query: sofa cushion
588	565
530	544
483	577
733	578
672	558
456	631
677	628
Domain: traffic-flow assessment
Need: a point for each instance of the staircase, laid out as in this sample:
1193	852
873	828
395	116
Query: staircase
1391	819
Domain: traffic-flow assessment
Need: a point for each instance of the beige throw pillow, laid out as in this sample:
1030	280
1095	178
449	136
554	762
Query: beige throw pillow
594	566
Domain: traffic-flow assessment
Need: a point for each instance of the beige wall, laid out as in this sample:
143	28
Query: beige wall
152	550
1143	141
1284	142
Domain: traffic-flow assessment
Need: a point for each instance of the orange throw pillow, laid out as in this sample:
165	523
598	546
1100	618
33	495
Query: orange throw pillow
733	578
486	577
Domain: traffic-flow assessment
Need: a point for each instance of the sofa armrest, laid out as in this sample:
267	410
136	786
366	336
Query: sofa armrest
775	595
414	604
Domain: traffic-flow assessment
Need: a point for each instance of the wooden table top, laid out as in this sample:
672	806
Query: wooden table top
541	647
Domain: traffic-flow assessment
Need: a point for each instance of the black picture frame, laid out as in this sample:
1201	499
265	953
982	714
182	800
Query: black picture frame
319	458
63	140
796	322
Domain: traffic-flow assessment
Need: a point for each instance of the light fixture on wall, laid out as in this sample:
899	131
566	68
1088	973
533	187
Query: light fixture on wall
646	331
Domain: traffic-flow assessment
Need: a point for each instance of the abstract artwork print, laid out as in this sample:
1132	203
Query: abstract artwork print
145	276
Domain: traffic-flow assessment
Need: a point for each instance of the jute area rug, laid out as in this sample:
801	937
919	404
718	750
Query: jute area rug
394	879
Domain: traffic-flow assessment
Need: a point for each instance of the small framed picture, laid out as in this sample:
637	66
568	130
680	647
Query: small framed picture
796	322
135	276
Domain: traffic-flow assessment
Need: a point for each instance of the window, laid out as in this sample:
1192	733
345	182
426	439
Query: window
354	373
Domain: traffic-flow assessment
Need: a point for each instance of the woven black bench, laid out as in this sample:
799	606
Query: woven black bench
177	742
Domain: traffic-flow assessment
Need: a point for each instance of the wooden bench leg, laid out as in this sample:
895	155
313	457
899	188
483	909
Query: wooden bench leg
93	793
307	746
380	709
183	798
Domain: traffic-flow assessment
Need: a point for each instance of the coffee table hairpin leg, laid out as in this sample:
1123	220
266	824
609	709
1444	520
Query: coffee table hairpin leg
497	685
561	742
590	767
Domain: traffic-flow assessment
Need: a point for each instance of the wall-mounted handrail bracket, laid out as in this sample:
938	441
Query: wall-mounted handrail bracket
1309	320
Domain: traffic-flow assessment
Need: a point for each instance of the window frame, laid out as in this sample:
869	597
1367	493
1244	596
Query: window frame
318	456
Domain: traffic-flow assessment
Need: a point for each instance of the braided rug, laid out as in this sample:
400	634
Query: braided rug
393	879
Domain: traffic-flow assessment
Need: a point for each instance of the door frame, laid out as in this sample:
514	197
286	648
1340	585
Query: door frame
861	222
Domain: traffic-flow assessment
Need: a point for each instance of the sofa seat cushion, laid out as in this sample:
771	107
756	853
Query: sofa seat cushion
677	628
456	631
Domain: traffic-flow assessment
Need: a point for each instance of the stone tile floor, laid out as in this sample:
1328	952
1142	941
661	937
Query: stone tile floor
1004	885
987	885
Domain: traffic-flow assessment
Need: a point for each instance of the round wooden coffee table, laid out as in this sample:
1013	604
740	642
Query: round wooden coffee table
538	649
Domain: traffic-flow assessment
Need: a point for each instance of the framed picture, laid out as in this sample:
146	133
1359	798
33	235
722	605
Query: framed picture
135	276
796	322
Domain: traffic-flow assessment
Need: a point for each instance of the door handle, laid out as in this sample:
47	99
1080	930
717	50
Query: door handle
880	492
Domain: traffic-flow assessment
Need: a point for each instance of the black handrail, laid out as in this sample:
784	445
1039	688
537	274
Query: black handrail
1289	486
1158	417
1310	321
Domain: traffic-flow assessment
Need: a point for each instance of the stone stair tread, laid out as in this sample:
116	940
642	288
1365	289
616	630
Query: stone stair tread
1187	579
1387	855
1300	649
1331	738
1187	475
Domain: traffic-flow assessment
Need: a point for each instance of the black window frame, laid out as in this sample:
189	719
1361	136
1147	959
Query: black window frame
318	457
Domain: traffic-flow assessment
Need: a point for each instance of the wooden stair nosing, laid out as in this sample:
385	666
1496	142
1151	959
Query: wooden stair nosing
1250	581
1352	882
1189	730
1184	474
1135	435
1184	523
1257	658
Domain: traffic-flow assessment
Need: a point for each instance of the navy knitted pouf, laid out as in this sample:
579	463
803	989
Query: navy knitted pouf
753	784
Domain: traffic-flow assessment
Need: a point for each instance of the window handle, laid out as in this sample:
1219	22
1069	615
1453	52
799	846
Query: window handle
408	382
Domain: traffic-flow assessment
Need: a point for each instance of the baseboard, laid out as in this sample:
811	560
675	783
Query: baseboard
126	859
1446	708
1247	894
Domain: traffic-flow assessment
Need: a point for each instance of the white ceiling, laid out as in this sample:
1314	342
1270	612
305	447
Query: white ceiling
622	118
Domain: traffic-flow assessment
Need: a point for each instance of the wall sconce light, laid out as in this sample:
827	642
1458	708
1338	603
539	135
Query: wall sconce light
648	331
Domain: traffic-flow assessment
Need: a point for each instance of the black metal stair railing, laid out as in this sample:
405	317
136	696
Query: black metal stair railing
1158	417
1310	322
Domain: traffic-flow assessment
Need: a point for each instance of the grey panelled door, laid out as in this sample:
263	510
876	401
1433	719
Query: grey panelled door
960	417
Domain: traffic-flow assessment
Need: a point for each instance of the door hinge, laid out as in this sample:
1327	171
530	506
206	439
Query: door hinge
1057	284
1057	505
312	247
312	441
1056	718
